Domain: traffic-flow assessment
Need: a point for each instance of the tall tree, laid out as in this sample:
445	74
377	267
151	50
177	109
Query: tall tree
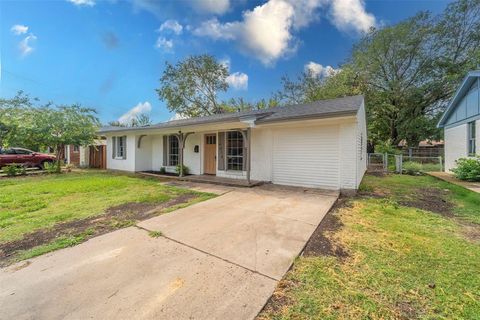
190	87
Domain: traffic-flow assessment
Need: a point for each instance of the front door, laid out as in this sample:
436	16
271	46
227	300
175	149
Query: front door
210	156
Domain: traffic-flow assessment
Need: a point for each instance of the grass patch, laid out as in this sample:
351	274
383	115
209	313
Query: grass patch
403	262
42	214
155	234
31	203
59	243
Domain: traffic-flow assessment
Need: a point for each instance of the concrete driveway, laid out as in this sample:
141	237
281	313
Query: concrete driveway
219	259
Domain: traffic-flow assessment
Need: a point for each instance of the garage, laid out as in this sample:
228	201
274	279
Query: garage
306	156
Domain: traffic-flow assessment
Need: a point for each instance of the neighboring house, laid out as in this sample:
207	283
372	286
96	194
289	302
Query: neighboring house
461	121
93	156
320	144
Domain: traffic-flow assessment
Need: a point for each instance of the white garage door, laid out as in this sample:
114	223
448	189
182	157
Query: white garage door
306	157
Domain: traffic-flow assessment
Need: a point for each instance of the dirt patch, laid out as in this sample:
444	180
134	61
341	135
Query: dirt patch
429	199
114	218
406	310
322	245
278	300
470	231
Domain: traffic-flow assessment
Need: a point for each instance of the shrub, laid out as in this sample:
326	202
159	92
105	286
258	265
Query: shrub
12	170
52	167
468	169
412	168
185	169
163	170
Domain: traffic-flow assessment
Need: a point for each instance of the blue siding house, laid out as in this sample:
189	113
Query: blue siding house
461	121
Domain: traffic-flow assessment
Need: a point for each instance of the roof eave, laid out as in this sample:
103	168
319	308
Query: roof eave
456	97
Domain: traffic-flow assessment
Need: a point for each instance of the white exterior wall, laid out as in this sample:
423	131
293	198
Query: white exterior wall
191	159
327	154
127	164
84	156
456	144
143	155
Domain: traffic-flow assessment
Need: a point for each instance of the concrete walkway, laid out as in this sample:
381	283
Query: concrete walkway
218	259
473	186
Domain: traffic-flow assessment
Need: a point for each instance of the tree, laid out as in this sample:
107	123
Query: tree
17	122
191	86
141	120
66	125
240	104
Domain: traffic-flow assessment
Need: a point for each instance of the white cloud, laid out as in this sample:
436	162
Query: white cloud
214	29
141	107
238	80
351	15
211	6
318	70
19	29
164	44
171	25
267	31
25	45
87	3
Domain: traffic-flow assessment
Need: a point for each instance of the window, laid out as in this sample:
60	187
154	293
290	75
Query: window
22	151
121	147
211	139
76	148
472	148
234	150
173	150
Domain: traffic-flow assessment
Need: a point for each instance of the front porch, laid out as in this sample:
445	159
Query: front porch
206	178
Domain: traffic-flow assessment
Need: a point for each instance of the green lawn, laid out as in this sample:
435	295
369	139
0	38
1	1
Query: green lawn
29	204
402	263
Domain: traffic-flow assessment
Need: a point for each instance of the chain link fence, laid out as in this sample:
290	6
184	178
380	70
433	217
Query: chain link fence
399	163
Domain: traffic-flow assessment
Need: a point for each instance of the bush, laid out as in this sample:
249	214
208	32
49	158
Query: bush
468	169
52	167
163	170
412	168
13	170
186	170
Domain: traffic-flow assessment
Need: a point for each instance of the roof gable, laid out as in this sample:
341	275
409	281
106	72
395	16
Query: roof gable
465	104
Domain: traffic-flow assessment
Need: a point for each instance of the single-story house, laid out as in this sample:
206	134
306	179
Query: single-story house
461	121
320	144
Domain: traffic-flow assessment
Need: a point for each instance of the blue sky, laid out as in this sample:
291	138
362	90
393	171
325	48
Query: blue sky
109	54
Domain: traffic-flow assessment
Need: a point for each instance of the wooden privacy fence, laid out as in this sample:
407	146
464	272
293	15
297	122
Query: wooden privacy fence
97	157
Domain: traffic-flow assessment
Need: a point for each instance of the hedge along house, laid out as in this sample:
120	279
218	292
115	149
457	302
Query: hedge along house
461	121
320	144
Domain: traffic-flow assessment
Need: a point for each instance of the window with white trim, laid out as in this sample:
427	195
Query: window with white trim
173	150
472	148
234	150
121	147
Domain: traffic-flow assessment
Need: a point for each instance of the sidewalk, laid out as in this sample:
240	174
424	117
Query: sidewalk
474	186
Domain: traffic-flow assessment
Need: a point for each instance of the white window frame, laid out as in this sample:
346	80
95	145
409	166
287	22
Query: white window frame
229	148
471	136
169	154
121	147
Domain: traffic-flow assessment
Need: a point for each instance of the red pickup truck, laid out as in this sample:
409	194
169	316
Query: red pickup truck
24	157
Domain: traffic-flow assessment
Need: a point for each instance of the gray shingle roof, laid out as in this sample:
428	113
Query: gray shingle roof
317	109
